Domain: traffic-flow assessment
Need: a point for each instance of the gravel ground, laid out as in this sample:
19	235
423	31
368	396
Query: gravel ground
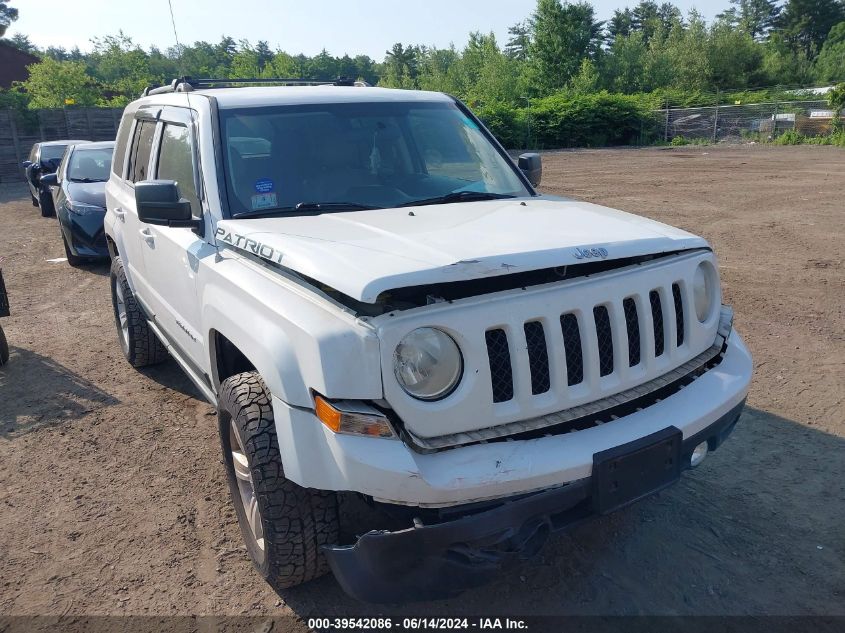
112	492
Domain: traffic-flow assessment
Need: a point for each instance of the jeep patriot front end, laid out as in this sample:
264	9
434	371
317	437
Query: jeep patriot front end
422	367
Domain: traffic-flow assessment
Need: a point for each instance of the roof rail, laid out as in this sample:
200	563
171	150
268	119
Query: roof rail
189	84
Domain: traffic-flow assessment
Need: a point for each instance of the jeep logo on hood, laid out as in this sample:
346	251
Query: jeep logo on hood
589	253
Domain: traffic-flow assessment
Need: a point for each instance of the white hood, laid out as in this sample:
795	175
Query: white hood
364	253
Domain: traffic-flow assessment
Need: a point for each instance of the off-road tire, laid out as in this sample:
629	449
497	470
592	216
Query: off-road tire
4	348
296	521
73	260
45	202
141	347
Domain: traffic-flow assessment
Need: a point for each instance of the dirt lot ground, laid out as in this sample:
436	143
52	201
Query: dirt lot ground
112	492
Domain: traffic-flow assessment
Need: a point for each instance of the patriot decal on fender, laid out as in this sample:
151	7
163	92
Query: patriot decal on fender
249	245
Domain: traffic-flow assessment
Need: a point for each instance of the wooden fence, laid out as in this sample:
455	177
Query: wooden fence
19	131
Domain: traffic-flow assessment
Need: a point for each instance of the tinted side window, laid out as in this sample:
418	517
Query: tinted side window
120	146
142	146
175	161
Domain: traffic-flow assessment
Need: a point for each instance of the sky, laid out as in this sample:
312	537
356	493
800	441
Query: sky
367	27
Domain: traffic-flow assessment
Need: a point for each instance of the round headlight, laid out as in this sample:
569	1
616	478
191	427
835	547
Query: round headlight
703	290
428	364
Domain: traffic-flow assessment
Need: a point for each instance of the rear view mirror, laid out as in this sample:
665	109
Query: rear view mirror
158	202
532	166
50	180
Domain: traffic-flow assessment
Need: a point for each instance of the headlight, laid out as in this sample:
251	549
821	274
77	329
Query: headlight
84	209
704	290
428	364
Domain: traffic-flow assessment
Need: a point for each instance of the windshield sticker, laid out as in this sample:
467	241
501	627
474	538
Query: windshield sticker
264	201
264	185
469	122
249	245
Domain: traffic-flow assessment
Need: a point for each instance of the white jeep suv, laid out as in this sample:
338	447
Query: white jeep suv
389	317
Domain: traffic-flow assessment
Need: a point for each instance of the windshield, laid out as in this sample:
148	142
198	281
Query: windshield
358	155
90	165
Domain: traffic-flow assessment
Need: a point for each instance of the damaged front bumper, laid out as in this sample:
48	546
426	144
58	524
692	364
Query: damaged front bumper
428	562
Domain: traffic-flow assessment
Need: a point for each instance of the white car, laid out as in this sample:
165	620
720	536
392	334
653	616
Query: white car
387	315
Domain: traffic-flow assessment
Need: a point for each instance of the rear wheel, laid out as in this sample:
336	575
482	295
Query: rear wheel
283	525
45	201
4	348
140	345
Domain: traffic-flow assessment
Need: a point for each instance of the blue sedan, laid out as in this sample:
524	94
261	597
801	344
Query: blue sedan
79	195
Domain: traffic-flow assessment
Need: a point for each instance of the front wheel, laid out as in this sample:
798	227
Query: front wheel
73	260
283	525
140	345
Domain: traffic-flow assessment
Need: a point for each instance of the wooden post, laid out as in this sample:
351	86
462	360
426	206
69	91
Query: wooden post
15	140
716	118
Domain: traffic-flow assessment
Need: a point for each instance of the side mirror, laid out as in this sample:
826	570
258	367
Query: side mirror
532	166
26	164
158	202
50	180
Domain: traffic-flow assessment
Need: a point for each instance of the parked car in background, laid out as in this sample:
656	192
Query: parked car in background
4	312
79	197
44	158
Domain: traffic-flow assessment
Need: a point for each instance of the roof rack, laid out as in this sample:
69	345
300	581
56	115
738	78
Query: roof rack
189	84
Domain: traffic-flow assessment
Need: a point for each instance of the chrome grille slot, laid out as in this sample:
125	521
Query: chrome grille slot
604	337
679	314
657	320
501	373
633	327
538	357
572	346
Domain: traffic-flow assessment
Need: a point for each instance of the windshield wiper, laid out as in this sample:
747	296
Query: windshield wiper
87	180
458	196
309	208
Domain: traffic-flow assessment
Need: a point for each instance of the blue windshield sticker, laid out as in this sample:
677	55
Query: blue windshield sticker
264	185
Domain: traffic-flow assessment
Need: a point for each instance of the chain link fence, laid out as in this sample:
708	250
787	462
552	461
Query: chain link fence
758	121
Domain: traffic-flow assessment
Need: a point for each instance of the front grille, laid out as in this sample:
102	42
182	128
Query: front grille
606	318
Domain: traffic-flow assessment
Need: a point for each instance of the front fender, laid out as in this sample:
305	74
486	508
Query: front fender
296	340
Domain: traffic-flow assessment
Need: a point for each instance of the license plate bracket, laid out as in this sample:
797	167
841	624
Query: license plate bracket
627	473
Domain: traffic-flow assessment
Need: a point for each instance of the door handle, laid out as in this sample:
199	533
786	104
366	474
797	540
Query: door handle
148	236
120	213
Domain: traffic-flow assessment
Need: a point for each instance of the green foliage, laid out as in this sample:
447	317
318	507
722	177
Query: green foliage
791	137
7	16
52	83
830	64
804	24
595	120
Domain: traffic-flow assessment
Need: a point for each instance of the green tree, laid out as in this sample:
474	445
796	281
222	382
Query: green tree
401	67
562	35
52	83
621	24
520	38
22	43
7	16
805	24
122	66
830	64
755	17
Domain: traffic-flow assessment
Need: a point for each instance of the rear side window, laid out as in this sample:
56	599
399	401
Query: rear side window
176	162
33	153
120	145
142	146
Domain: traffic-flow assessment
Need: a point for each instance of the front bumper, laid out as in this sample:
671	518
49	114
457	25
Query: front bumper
440	561
85	234
390	472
